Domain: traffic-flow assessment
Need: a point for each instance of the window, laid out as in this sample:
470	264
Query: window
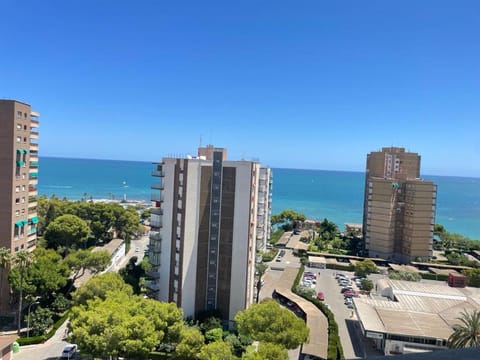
24	139
17	188
17	212
17	201
19	126
23	187
19	114
23	200
19	138
25	127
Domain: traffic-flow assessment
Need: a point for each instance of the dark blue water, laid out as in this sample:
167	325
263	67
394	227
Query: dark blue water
335	195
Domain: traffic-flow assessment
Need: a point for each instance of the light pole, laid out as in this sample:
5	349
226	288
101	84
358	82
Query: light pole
28	317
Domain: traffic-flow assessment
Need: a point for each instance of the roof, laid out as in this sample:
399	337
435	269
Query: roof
7	340
317	259
407	268
110	246
458	354
316	321
421	309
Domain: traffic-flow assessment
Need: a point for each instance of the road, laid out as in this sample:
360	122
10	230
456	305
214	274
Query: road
52	349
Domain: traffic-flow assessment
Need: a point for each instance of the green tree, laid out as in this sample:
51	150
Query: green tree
213	335
289	218
81	260
67	232
60	304
467	333
124	325
405	275
365	267
217	350
98	287
22	261
367	285
328	229
191	342
5	261
49	273
267	351
260	271
40	321
269	322
473	277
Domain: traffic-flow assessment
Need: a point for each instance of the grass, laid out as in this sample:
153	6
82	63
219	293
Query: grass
276	236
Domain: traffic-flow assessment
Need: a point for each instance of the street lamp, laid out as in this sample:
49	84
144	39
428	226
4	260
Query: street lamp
28	317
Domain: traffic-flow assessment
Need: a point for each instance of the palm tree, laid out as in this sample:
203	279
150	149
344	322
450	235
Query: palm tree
22	260
5	260
467	333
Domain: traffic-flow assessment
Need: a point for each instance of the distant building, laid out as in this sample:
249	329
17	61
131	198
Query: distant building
399	207
18	182
205	227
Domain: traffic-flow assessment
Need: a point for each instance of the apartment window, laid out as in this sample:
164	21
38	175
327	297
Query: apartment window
23	187
23	176
17	212
17	201
16	248
19	114
19	138
25	127
23	200
24	139
23	211
17	188
19	126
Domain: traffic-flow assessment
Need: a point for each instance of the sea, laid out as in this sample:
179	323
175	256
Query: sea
319	194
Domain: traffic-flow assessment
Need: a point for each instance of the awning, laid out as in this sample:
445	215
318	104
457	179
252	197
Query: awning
19	223
21	151
34	220
33	174
25	222
20	163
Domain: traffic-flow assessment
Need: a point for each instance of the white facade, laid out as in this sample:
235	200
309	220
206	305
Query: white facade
183	258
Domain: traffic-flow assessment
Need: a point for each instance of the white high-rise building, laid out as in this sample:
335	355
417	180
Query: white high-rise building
204	232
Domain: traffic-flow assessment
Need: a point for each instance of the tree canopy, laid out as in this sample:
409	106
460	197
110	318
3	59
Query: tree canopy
81	260
269	322
365	267
124	325
267	351
289	218
217	350
98	287
67	232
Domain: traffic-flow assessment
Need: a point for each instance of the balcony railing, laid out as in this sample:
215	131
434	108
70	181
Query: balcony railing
153	285
33	164
156	223
157	185
153	274
31	243
155	235
33	134
34	123
158	173
32	188
156	197
156	211
156	247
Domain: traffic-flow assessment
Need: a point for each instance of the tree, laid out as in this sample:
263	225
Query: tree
365	267
67	232
213	335
81	260
269	322
191	342
467	333
367	284
99	286
267	351
49	273
124	325
5	261
22	260
289	218
260	270
473	277
217	350
328	229
40	321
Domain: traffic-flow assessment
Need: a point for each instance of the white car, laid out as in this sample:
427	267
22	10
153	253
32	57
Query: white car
69	351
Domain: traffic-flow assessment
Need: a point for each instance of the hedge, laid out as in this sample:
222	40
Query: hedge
348	267
42	338
430	276
335	350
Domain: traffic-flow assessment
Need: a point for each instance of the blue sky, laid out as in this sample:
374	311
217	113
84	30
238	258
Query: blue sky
296	84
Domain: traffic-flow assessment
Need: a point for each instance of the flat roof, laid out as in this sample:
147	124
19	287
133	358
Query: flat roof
421	310
317	322
7	340
111	246
407	268
317	259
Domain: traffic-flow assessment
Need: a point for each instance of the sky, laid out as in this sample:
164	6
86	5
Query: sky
294	84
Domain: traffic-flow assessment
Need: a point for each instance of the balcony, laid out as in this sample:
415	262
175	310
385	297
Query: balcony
33	175
156	211
155	260
153	274
32	189
33	147
155	235
153	286
31	243
32	203
33	164
34	123
158	173
156	222
158	197
157	186
33	134
32	232
156	247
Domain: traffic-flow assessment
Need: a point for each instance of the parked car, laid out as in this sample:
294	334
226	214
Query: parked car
69	351
320	296
348	301
346	288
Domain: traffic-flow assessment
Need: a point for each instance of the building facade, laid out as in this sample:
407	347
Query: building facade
18	181
399	207
203	233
